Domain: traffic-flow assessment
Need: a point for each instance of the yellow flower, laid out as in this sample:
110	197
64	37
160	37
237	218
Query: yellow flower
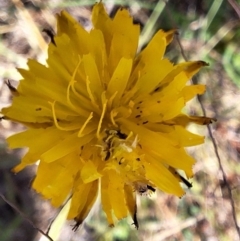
103	119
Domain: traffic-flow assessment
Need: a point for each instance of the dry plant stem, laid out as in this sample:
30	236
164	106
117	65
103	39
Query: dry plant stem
164	235
194	81
25	217
216	152
181	48
225	180
235	6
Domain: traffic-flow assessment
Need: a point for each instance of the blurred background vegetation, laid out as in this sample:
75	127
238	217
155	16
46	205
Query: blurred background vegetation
207	30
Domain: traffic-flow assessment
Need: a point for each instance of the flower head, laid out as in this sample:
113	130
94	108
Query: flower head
103	119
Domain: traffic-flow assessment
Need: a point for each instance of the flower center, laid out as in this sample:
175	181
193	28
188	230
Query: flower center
111	142
123	154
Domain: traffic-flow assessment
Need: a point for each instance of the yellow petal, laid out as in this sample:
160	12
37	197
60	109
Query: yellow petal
49	179
131	203
150	76
201	120
89	172
184	120
83	198
187	138
119	80
178	135
183	72
98	50
169	35
151	141
173	110
36	147
155	48
126	34
117	195
91	198
157	173
103	22
58	54
91	71
105	199
191	91
80	39
64	147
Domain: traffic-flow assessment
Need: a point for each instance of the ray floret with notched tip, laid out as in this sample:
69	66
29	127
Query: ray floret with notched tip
103	119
